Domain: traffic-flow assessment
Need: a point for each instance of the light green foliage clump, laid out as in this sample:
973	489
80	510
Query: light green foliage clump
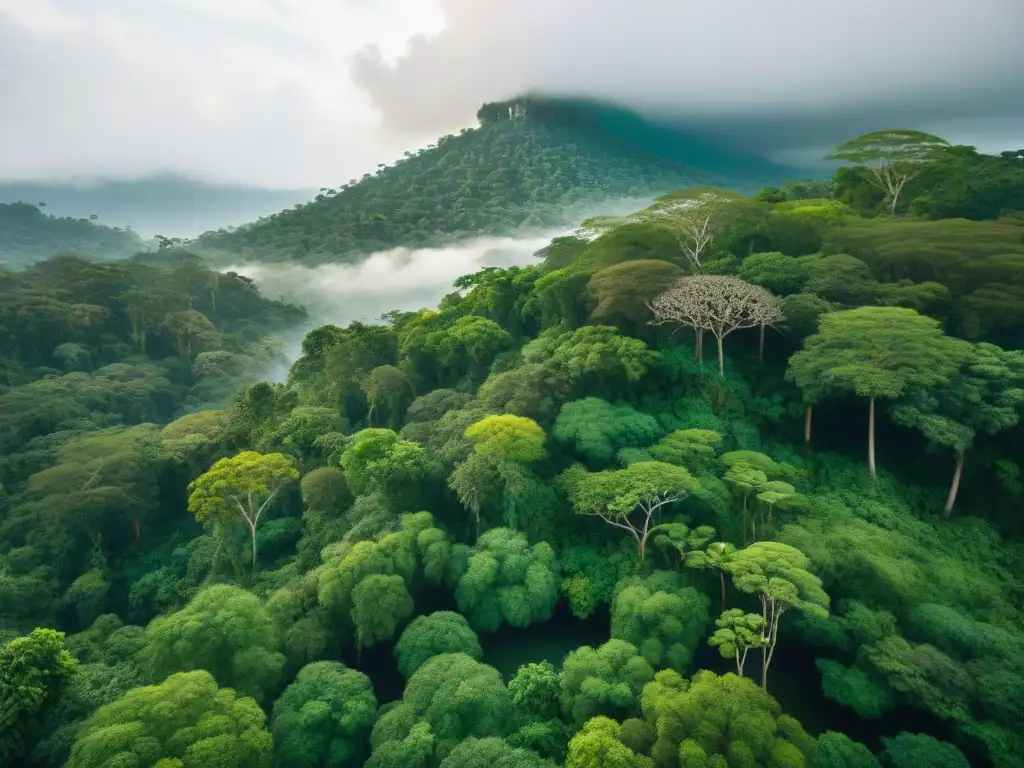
777	573
238	489
535	690
597	743
662	618
505	580
492	753
628	498
497	478
224	630
455	697
429	636
33	671
603	681
595	429
184	722
508	438
379	461
737	634
690	448
324	718
706	722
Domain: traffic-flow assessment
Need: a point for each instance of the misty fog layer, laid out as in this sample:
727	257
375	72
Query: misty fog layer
402	278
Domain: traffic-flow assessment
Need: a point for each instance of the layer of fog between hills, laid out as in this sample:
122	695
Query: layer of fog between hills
401	278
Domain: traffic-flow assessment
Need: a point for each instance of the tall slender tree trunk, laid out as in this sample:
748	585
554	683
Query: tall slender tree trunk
760	347
721	356
252	529
721	579
808	415
954	486
871	439
135	527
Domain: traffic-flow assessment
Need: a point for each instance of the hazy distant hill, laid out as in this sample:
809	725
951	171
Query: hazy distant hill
541	167
27	234
168	205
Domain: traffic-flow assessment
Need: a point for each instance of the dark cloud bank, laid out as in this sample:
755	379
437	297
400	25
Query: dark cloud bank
782	79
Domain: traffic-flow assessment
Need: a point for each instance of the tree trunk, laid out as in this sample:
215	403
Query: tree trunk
954	486
253	529
721	578
892	208
721	357
760	347
696	343
808	415
871	439
135	526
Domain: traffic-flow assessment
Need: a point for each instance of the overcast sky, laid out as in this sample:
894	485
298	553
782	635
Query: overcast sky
304	93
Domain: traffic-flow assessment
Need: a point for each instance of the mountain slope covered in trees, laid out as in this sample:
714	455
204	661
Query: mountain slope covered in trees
29	234
541	170
772	476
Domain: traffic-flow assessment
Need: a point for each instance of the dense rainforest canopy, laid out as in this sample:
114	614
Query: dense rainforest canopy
766	450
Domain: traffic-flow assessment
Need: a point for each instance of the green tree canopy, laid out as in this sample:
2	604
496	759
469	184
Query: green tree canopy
505	580
597	743
603	681
456	697
324	718
595	429
185	721
508	438
875	352
33	671
893	157
432	635
224	630
662	618
628	498
777	573
711	720
240	488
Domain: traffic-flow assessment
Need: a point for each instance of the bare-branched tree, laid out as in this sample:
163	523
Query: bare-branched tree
720	304
694	221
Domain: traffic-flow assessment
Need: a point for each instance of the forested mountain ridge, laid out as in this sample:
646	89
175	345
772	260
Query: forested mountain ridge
539	168
28	234
569	517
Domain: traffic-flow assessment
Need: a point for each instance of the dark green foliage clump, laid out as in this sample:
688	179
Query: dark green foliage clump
324	718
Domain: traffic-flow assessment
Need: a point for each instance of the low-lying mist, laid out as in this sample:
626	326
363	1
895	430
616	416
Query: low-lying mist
402	278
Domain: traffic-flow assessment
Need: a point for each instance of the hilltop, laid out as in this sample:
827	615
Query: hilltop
531	164
28	235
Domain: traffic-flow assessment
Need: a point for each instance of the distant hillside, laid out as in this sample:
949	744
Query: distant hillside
164	204
516	172
28	235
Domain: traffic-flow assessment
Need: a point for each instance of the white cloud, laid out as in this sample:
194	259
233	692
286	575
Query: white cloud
715	61
251	91
304	93
402	279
